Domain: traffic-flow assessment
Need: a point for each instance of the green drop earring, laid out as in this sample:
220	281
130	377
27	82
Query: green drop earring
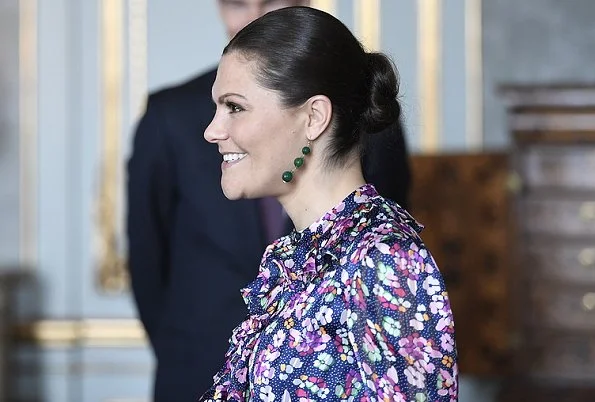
298	162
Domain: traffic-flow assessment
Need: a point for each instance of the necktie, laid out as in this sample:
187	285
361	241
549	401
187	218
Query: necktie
271	214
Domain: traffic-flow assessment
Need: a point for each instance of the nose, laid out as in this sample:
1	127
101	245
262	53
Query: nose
215	132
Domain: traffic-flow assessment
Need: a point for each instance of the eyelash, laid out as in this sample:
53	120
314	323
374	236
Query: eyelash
233	108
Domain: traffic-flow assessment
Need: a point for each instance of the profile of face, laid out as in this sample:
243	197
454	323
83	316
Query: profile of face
273	94
236	14
257	135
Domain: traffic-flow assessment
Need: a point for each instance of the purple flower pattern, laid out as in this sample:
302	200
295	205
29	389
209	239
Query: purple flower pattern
353	308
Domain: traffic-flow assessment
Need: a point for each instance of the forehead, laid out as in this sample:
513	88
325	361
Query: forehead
234	71
237	75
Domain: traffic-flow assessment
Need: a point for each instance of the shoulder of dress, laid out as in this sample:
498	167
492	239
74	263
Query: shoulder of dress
386	244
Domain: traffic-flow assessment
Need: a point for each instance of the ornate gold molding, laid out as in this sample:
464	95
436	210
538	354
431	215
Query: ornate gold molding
430	58
88	368
474	74
28	131
90	333
112	270
367	23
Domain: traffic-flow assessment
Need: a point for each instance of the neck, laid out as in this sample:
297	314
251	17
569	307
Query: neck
317	193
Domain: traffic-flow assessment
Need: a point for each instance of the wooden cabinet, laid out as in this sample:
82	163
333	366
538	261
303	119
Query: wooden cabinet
553	156
463	201
514	236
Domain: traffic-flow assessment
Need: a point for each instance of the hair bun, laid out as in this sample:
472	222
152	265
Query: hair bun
383	108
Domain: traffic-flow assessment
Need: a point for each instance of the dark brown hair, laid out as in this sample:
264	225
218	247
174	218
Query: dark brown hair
302	52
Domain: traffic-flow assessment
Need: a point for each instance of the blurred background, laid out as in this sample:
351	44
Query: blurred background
499	100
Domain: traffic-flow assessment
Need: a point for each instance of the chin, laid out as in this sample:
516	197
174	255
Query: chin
232	194
236	191
239	192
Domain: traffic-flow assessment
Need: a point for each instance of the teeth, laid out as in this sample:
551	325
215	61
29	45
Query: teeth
233	157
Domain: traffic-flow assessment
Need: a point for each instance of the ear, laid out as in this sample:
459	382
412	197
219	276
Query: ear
320	113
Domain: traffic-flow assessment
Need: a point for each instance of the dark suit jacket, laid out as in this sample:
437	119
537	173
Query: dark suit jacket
191	249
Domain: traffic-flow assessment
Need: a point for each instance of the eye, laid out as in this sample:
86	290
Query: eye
233	107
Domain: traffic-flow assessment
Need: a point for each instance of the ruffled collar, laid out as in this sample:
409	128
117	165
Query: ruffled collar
290	264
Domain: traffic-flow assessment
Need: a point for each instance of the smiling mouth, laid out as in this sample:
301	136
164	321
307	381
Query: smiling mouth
231	158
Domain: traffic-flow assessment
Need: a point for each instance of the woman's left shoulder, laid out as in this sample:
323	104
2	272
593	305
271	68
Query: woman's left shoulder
393	239
392	266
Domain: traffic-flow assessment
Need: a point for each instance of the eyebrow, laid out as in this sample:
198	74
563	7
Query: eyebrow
226	95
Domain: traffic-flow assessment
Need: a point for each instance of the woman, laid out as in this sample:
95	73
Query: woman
351	305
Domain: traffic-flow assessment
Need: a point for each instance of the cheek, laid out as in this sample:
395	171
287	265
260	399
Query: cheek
270	159
240	22
233	21
272	146
283	151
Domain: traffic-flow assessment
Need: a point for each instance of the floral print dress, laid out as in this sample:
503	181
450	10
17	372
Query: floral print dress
352	308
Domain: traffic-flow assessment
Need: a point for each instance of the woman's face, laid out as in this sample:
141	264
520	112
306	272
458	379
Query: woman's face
257	137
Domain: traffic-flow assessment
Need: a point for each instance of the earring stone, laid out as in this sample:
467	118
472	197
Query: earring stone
287	176
298	162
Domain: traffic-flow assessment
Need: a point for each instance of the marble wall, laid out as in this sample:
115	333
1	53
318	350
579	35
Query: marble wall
9	133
